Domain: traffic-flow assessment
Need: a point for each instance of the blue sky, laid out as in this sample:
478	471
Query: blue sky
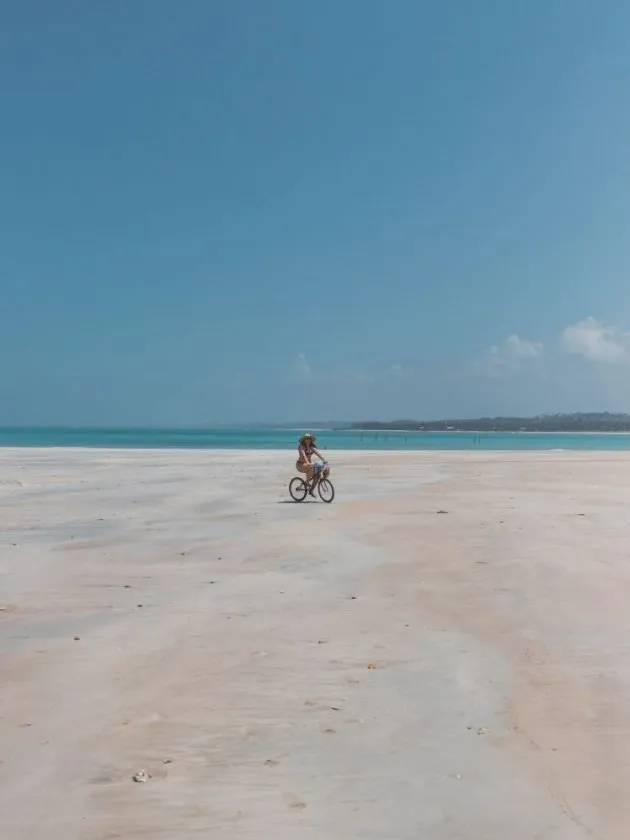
232	211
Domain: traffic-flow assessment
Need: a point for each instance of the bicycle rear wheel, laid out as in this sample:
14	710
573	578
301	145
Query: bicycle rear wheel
297	489
326	490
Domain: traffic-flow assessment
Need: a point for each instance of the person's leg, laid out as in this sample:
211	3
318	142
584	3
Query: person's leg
307	472
314	481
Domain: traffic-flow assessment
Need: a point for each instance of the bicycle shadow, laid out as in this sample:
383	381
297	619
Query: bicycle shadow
291	502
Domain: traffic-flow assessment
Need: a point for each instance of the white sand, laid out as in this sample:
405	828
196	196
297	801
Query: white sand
498	708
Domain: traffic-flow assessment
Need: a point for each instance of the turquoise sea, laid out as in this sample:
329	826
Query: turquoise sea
287	439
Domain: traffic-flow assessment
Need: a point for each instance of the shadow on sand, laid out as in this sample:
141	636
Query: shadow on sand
291	502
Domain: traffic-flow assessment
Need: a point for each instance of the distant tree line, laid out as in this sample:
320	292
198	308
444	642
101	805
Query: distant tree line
579	422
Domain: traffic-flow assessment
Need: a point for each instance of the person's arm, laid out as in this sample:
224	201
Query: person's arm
302	454
319	454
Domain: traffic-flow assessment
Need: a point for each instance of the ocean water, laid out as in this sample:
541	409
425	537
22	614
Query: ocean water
287	439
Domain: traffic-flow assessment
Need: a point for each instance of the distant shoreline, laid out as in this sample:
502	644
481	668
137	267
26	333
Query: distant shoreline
477	432
330	439
563	423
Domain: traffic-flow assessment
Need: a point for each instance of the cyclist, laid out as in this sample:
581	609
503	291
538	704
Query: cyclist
305	465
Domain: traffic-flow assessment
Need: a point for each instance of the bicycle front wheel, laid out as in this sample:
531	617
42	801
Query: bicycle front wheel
297	489
326	490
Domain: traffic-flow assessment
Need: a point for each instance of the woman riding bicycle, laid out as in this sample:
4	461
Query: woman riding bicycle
313	472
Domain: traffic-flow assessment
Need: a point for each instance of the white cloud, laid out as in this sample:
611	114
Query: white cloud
399	372
596	342
301	369
303	372
507	358
351	376
519	348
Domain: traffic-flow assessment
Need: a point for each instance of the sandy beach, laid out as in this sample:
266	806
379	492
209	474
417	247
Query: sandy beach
441	653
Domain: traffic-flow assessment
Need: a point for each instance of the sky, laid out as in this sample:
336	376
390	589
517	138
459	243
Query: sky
224	211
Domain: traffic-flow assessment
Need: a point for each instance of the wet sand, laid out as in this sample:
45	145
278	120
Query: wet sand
440	653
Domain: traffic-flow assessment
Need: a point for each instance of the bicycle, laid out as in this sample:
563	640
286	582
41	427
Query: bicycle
299	487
